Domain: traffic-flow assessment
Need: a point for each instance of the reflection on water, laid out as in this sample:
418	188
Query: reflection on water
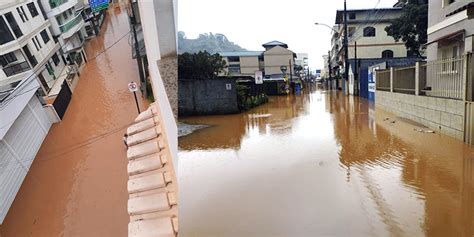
322	163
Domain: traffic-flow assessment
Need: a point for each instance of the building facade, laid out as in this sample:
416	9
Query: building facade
450	29
27	47
67	27
270	61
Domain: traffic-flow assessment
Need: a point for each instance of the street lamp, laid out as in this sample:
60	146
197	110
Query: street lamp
322	24
329	52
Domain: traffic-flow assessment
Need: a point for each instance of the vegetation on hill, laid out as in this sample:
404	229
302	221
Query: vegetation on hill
212	43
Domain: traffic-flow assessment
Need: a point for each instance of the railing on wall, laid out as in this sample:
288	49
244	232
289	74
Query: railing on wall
448	78
383	80
404	80
71	23
445	78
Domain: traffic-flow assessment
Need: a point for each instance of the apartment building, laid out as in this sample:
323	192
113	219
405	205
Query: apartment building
67	27
269	61
368	39
450	29
26	45
30	62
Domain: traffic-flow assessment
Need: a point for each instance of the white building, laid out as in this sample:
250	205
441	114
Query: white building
27	45
67	27
30	63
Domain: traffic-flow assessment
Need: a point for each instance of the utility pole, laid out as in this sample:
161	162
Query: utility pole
346	48
133	22
356	71
330	69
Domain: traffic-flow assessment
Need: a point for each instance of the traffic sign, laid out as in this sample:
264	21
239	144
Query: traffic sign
97	5
132	86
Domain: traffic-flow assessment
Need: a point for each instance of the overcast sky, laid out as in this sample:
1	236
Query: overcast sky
251	23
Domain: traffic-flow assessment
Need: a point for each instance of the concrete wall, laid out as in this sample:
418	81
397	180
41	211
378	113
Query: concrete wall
442	115
206	97
158	23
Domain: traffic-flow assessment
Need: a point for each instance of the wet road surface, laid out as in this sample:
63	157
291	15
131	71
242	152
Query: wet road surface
77	185
322	164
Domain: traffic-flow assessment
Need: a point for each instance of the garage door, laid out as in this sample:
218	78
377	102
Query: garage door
18	149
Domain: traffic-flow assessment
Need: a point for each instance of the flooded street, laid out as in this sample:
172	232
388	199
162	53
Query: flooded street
322	164
77	185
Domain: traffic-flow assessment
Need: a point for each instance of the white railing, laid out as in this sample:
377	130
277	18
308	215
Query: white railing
447	78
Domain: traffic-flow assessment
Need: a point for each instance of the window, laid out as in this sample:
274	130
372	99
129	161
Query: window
55	59
7	59
58	19
352	16
70	11
387	54
37	43
369	31
31	6
234	69
351	31
65	15
13	25
22	13
45	36
5	33
233	59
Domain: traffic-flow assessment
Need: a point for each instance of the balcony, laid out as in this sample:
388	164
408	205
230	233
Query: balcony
72	26
55	3
17	68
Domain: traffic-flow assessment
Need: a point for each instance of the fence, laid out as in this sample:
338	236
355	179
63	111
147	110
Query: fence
447	78
383	80
404	80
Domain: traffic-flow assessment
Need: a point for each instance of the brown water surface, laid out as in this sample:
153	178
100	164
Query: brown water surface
322	164
77	185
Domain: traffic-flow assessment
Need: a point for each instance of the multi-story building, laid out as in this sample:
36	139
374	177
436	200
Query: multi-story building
67	27
270	61
450	29
27	47
368	40
30	62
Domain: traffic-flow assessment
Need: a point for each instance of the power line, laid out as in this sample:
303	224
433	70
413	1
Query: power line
8	99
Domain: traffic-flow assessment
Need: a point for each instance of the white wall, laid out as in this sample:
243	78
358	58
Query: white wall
157	42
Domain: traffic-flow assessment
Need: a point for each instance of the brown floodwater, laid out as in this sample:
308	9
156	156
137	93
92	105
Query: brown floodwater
77	185
322	164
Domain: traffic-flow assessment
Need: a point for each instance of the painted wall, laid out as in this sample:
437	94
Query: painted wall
275	58
207	97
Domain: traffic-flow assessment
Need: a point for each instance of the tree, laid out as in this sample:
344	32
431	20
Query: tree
411	26
202	65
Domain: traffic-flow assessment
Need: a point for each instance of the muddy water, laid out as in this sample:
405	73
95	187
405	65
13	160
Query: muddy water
322	164
77	183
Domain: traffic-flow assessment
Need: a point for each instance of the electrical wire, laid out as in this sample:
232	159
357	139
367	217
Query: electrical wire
8	99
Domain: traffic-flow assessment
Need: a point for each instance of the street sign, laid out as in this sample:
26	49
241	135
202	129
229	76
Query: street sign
258	77
98	5
132	86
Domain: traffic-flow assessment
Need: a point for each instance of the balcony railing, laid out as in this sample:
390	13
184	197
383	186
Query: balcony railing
55	3
71	23
14	69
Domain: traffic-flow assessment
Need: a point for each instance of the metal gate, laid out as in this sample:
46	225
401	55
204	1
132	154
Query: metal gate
62	100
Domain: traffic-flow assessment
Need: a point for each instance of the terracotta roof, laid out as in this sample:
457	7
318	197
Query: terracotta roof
152	184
